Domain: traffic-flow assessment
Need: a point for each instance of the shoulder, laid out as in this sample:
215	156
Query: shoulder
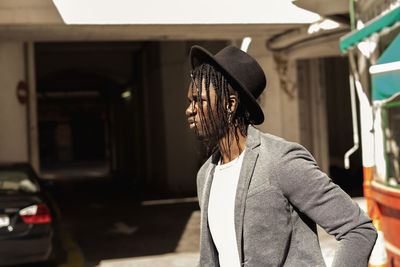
278	149
284	161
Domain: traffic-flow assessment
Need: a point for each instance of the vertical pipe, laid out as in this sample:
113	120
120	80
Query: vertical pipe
355	124
367	137
33	132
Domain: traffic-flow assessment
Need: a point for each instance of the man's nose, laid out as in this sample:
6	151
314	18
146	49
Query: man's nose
190	111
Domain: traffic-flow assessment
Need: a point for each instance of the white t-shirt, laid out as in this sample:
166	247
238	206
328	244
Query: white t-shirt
221	210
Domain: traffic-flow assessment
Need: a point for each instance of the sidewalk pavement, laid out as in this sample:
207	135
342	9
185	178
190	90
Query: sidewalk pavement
185	259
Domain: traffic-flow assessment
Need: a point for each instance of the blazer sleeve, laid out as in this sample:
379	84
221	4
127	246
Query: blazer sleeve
314	194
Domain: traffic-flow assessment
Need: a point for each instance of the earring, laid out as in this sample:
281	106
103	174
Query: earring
230	117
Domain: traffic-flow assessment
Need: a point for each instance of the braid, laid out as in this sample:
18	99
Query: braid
219	123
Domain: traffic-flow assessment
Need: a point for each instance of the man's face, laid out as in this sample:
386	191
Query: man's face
199	109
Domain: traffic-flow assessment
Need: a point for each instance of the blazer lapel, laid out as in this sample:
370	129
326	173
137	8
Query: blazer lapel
206	191
246	172
208	254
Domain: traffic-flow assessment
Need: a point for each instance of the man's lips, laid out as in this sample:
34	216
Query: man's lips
192	123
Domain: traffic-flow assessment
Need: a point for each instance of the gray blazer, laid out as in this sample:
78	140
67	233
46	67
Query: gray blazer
281	195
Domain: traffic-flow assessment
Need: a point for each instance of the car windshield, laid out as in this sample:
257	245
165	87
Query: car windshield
16	181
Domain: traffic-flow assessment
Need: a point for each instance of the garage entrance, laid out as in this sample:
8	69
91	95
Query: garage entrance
90	109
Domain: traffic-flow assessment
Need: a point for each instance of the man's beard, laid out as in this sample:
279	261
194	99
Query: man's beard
210	133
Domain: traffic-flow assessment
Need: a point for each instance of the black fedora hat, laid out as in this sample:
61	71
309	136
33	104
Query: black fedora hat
242	71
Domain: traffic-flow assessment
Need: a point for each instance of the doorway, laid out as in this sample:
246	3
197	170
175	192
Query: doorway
325	119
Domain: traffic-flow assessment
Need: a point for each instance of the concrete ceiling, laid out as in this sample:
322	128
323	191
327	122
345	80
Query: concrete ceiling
39	20
137	32
324	7
179	12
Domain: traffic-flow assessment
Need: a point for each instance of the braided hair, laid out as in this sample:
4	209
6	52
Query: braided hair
220	122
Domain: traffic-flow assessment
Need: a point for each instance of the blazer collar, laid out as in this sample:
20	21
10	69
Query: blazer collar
246	172
208	255
253	137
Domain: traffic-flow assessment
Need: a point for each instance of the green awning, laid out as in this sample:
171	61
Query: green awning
385	75
376	25
392	52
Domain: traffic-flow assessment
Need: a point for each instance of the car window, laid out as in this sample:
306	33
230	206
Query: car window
17	181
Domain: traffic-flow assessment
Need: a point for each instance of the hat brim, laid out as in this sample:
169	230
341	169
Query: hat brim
199	55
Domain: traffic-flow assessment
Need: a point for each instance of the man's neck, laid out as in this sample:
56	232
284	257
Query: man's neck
232	151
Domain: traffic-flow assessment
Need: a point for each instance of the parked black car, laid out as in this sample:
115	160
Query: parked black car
26	227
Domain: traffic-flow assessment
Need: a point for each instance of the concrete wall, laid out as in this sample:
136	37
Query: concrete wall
280	106
313	110
13	115
17	12
181	156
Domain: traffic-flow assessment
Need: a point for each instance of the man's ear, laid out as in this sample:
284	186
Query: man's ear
233	102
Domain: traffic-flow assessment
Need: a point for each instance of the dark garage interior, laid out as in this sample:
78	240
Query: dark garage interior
103	152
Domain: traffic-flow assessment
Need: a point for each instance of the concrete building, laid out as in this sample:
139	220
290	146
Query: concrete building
109	98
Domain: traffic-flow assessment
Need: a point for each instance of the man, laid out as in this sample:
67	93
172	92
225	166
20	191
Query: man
261	196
